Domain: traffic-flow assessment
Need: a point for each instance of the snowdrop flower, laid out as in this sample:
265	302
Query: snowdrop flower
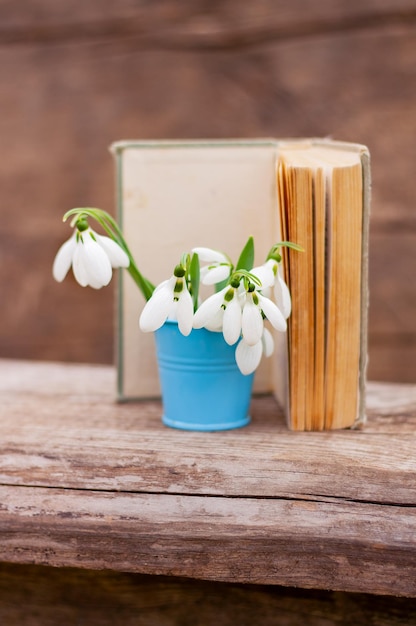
222	311
266	274
256	308
171	299
210	313
282	296
91	255
248	357
269	275
219	266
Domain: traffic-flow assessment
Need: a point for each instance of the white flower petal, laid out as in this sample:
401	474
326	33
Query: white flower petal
248	357
78	266
171	281
231	326
185	312
213	275
96	263
117	256
215	322
209	308
267	343
63	259
157	308
265	274
266	292
273	313
252	322
208	255
282	296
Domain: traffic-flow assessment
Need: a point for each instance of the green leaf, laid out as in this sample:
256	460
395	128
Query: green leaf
194	279
246	260
291	244
275	251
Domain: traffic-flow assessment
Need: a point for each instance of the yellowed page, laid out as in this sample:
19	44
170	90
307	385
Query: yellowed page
344	297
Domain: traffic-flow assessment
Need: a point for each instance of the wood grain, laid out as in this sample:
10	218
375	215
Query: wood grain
348	547
75	77
88	483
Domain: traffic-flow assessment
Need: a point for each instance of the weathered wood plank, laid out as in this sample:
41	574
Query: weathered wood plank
352	468
55	424
42	596
348	547
265	463
92	484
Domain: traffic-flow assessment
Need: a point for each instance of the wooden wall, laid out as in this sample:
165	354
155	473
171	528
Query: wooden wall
76	75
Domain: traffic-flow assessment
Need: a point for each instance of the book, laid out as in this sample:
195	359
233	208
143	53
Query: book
173	196
323	207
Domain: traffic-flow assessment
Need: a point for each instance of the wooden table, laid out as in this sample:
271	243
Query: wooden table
127	509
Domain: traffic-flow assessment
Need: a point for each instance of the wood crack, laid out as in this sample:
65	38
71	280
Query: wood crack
308	497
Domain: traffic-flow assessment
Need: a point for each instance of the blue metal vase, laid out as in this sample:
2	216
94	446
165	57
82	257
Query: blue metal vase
202	387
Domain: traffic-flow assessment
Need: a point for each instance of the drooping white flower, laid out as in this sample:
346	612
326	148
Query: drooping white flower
219	266
257	308
232	320
221	311
282	296
267	343
171	299
252	321
265	273
271	311
269	275
248	357
210	312
92	257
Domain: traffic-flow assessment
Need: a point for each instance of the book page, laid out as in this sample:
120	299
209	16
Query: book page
296	204
319	257
344	297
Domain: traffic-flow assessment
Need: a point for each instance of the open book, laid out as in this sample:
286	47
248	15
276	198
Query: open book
173	196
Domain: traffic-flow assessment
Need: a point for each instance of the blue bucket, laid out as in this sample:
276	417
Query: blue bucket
202	387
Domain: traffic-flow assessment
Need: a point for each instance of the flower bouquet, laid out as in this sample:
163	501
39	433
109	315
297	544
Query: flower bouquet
208	348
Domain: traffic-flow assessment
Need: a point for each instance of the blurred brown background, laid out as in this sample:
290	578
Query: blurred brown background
77	75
